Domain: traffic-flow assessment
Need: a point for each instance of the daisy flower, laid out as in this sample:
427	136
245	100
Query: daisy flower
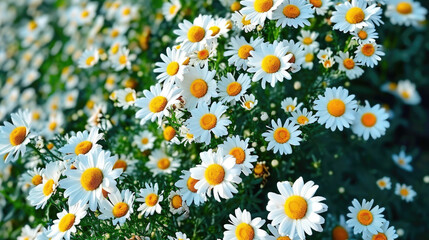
357	14
257	11
270	63
144	140
298	54
31	178
321	6
242	226
384	183
405	12
89	58
170	9
242	23
172	66
217	173
341	231
403	160
240	150
126	13
67	221
119	207
87	13
40	194
369	54
187	189
127	164
308	39
308	58
240	50
365	35
193	36
126	97
161	163
179	236
336	109
290	104
348	65
202	57
296	210
406	90
405	192
150	198
293	13
364	218
156	102
205	120
82	144
176	203
281	137
231	90
15	136
302	117
248	101
28	233
170	135
94	173
121	60
387	233
218	27
370	121
198	86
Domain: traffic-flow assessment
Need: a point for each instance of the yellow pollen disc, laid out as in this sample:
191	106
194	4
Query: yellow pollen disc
36	180
83	147
307	40
316	3
329	38
365	217
339	233
302	120
382	183
336	107
36	116
248	104
172	68
91	179
362	34
244	232
17	136
258	169
203	54
114	33
233	89
157	104
172	9
169	133
189	136
392	86
126	11
115	48
368	119
66	222
244	51
196	34
129	97
191	184
235	6
214	174
85	14
355	15
283	238
122	59
198	88
244	21
291	11
208	121
48	188
263	5
281	135
215	30
120	164
120	209
295	207
90	104
229	24
309	57
401	161
145	140
349	63
290	108
163	163
151	199
404	8
32	25
239	155
271	64
186	62
368	50
405	94
379	236
176	201
403	192
89	60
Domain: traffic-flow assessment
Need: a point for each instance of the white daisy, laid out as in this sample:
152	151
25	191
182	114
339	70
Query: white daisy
302	117
242	23
150	197
31	178
170	9
370	121
308	58
173	66
384	183
202	57
296	210
405	192
357	14
364	218
248	101
144	140
121	60
406	90
198	86
308	39
218	27
240	150
240	50
321	6
242	226
369	54
177	203
126	97
231	90
405	12
119	207
193	36
67	221
403	160
341	231
281	137
293	13
89	58
298	54
40	194
336	109
161	163
189	193
170	135
348	65
257	11
82	144
387	233
365	35
290	104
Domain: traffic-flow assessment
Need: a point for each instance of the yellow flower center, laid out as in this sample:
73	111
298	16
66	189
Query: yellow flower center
32	25
290	108
196	34
259	168
271	64
309	57
90	60
392	86
263	5
50	146
208	121
17	136
120	164
145	140
404	8
91	179
295	207
368	119
36	115
302	120
239	154
362	34
235	6
244	51
186	62
157	104
172	68
191	184
336	107
85	14
403	192
316	3
281	135
283	238
151	199
368	49
176	201
36	180
401	161
349	63
122	59
291	11
339	233
379	236
83	147
214	174
129	97
364	217
120	209
215	30
382	183
48	188
126	11
198	88
203	54
244	232
405	94
114	33
307	40
233	89
355	15
249	104
66	222
169	133
115	48
172	9
163	163
244	21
